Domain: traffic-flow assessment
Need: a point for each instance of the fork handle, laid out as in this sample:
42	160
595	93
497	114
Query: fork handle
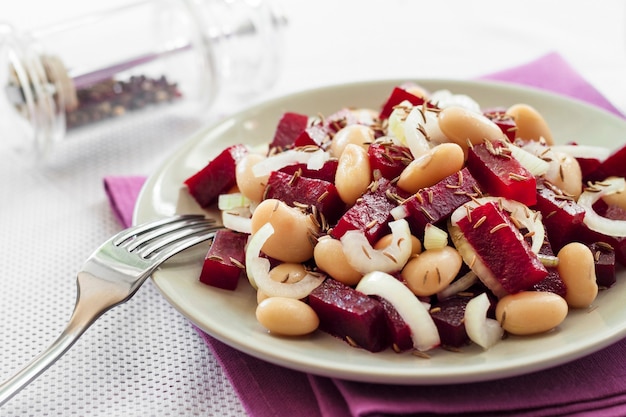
90	305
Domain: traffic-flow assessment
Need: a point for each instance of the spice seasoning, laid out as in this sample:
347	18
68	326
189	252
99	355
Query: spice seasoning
149	55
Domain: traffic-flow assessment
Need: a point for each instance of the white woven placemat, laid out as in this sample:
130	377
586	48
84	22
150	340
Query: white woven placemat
140	359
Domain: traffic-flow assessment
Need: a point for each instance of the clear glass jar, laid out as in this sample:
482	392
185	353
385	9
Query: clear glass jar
181	54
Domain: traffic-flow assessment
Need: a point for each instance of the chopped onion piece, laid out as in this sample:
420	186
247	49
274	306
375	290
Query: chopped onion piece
396	121
424	332
258	270
583	151
364	258
237	222
232	201
531	162
399	212
548	261
413	132
314	160
459	285
434	237
445	98
593	220
481	330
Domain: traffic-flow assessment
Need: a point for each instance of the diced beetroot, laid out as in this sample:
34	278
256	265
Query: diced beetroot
435	204
618	244
561	215
588	165
223	264
448	316
290	126
370	213
217	177
350	315
315	135
326	173
552	282
614	165
398	95
505	123
399	331
502	248
604	260
501	175
388	159
293	189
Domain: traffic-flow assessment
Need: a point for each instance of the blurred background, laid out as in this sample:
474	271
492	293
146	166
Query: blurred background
355	40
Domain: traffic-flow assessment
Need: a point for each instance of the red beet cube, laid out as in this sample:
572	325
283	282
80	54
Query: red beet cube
501	175
316	135
217	177
505	123
388	159
614	165
435	204
448	316
502	248
552	282
223	264
350	315
561	215
290	126
326	173
399	331
604	261
295	188
370	213
398	95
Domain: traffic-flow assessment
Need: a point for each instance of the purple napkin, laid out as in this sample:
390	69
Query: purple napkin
592	386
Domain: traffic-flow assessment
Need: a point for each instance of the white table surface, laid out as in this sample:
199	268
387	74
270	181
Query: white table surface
143	358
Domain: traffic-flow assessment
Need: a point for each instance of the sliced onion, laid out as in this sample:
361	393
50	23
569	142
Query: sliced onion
399	212
583	151
434	237
424	332
593	220
396	121
364	258
459	285
258	270
528	160
314	160
435	135
445	98
237	222
415	139
232	201
481	330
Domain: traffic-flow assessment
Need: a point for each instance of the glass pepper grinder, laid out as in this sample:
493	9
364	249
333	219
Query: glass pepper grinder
180	54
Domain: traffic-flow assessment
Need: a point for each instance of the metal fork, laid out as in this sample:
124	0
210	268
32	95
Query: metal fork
111	276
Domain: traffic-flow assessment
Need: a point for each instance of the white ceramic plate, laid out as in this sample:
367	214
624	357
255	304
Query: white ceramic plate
229	316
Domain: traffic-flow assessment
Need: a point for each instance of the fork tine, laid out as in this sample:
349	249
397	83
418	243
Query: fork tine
176	241
140	239
154	225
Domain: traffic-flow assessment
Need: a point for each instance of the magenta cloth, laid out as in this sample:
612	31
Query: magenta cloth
592	386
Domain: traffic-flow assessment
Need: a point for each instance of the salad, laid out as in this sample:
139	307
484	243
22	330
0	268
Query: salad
428	222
